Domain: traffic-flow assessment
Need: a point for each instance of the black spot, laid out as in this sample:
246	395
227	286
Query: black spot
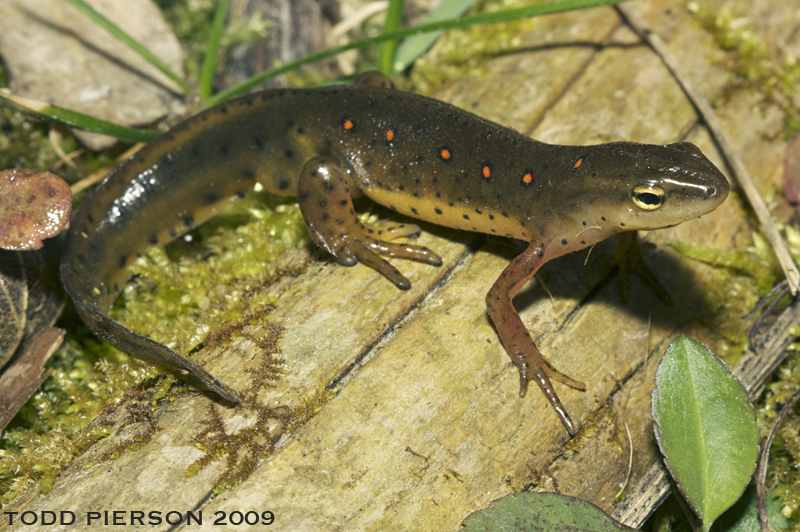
290	123
564	242
367	164
259	143
584	224
418	158
154	239
168	162
323	203
438	211
623	225
122	260
211	197
90	217
81	258
223	109
478	211
224	150
173	233
188	221
401	187
414	210
289	154
491	216
343	202
451	203
438	194
603	218
416	181
195	150
246	174
504	213
466	217
325	217
417	195
241	194
283	184
313	173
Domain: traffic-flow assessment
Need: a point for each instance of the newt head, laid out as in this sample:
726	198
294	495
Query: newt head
665	185
625	186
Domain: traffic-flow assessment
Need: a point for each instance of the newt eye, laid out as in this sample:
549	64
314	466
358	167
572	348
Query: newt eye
648	197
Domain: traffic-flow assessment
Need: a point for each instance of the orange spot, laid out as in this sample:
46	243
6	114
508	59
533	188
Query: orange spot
578	163
487	172
527	178
348	124
445	154
389	135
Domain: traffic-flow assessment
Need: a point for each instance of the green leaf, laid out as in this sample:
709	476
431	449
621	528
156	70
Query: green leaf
743	516
546	512
415	46
705	428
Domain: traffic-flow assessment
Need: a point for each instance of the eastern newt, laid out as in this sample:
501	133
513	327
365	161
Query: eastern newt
418	156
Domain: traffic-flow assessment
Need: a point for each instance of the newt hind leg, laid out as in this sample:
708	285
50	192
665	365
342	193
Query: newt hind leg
323	192
517	340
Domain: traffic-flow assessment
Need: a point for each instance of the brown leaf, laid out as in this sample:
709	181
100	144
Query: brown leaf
33	206
13	303
46	297
791	170
27	373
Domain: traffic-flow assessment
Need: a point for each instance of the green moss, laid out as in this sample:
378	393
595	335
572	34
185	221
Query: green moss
181	299
743	277
774	73
207	290
463	53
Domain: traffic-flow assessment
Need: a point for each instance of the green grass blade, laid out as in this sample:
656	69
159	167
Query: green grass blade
115	30
64	117
413	47
210	61
394	20
459	22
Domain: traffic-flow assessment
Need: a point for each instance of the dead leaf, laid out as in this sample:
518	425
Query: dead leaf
27	373
791	170
46	297
56	54
33	206
13	303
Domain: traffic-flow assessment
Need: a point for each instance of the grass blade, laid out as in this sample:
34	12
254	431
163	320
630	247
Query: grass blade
394	20
459	22
413	47
64	117
210	61
117	32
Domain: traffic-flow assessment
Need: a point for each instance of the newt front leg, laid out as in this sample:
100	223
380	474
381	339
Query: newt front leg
517	340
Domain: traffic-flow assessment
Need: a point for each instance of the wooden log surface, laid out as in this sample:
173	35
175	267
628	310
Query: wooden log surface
425	425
